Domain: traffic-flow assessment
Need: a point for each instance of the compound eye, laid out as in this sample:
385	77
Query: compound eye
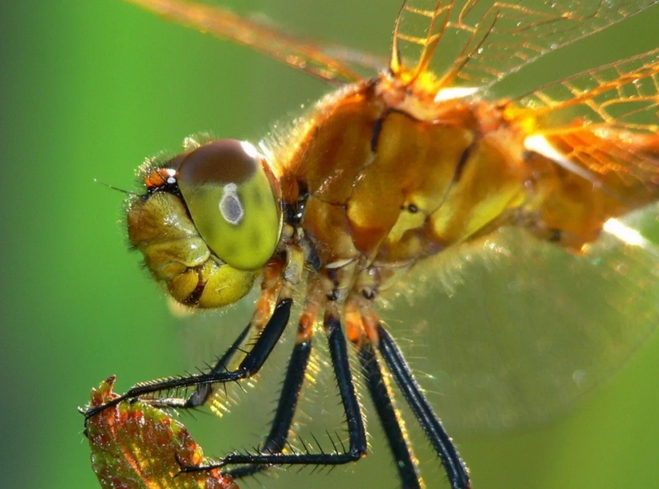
232	202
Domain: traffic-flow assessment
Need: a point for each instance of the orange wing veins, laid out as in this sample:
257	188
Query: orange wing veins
605	121
419	27
477	43
622	95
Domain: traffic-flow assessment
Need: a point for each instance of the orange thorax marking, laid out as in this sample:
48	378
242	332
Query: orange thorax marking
387	187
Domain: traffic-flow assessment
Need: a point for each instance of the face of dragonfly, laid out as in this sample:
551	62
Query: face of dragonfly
539	309
208	223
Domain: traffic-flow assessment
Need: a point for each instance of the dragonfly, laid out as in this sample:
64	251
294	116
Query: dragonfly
397	193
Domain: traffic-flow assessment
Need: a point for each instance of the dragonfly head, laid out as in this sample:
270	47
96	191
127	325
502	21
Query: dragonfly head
208	222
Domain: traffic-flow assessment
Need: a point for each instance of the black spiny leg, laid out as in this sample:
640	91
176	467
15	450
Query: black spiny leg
356	429
382	399
455	468
286	406
204	391
250	365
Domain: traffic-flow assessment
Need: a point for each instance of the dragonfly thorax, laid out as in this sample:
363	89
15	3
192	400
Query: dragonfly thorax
382	188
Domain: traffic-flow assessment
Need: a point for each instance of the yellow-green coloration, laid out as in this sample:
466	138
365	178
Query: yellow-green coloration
160	228
231	202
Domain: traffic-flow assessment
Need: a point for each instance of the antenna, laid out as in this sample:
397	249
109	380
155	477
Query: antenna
112	187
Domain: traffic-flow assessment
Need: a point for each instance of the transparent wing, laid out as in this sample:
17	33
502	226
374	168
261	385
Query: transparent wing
620	96
512	330
605	121
419	27
476	43
330	64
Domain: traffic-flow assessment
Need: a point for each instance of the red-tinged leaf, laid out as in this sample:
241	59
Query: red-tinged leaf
136	446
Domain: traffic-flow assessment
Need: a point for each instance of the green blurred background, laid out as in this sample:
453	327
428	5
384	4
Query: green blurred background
87	89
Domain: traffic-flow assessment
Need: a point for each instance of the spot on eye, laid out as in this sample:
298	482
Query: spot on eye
230	206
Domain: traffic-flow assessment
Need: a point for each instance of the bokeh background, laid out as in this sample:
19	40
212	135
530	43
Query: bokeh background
87	89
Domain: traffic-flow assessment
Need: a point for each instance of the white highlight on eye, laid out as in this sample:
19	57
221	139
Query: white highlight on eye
450	93
624	233
539	144
249	149
230	206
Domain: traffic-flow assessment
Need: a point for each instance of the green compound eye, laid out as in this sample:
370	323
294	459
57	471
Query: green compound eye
231	201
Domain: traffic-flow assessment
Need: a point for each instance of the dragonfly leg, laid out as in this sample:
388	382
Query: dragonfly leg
361	326
269	322
277	439
286	406
248	367
203	392
356	429
456	469
272	287
382	396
